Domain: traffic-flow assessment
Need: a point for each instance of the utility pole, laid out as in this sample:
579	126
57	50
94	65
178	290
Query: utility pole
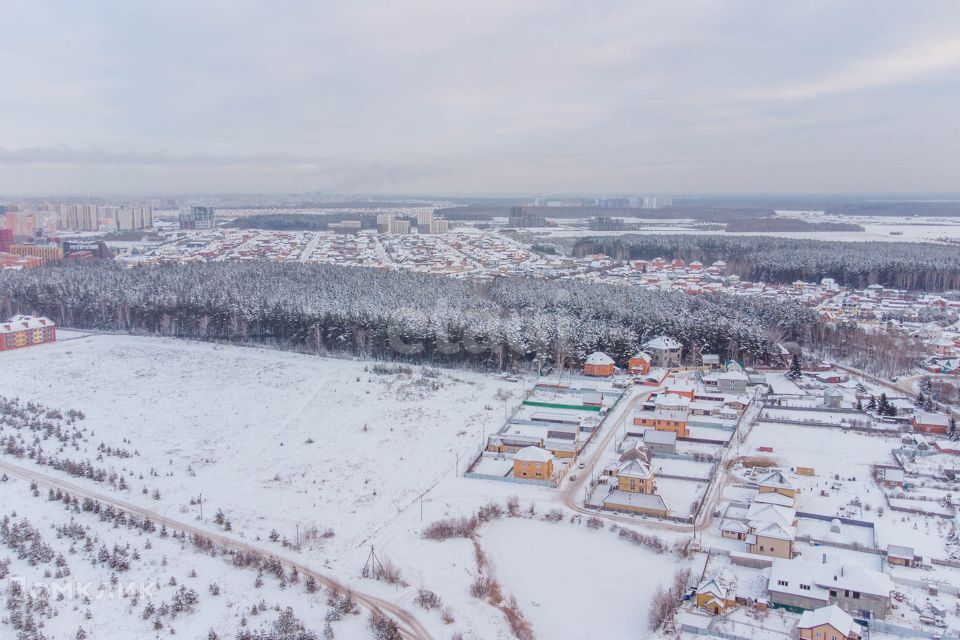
201	507
298	536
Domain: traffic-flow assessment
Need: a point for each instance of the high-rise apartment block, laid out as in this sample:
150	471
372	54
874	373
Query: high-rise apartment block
197	217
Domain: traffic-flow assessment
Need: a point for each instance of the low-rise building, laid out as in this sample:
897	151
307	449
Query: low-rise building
639	364
26	331
859	591
599	364
533	463
901	556
930	422
713	597
732	382
777	482
832	398
665	351
828	623
636	476
660	441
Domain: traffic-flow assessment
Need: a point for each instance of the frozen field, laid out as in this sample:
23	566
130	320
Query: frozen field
287	438
574	582
277	440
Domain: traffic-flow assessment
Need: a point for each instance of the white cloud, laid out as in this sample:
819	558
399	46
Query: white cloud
478	96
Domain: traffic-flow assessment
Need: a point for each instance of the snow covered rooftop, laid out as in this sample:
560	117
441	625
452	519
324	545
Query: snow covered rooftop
929	417
776	480
599	358
733	375
770	513
21	322
533	454
899	551
809	579
661	343
635	468
654	436
833	616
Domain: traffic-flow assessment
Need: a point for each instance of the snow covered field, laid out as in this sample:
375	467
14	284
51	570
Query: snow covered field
154	584
279	441
574	582
262	434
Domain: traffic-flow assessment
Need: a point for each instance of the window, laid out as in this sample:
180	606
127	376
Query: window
856	595
833	593
805	587
783	583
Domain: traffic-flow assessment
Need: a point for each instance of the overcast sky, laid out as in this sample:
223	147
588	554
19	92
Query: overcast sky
479	96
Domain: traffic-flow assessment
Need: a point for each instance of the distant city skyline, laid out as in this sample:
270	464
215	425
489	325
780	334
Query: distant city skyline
480	98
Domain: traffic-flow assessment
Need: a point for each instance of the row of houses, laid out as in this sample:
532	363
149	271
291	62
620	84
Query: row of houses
681	405
662	352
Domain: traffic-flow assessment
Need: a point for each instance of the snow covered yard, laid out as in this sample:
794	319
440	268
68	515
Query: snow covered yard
840	460
681	495
574	582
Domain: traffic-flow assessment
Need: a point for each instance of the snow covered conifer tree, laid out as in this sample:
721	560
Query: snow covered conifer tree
795	368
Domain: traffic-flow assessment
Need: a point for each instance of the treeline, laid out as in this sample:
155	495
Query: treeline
710	214
789	224
299	221
901	265
498	324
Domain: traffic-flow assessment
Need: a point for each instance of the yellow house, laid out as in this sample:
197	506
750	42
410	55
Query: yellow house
712	597
636	476
828	623
533	463
776	482
636	490
670	414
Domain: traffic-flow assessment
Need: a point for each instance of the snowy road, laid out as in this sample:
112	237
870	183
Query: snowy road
409	625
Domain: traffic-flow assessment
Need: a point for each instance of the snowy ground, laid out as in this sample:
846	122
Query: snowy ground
301	444
843	475
278	440
158	568
575	582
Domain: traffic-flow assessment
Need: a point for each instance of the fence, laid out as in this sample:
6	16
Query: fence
487	476
828	425
879	626
710	632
